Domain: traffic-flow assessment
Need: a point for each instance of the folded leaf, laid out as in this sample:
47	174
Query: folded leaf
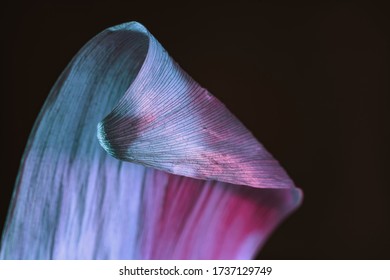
172	174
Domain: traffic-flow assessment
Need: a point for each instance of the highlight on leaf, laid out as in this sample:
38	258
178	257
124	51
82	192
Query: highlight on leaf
172	174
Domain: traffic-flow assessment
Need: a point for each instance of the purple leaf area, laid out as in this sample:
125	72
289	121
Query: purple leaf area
172	174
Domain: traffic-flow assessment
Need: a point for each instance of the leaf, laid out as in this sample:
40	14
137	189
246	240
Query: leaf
188	180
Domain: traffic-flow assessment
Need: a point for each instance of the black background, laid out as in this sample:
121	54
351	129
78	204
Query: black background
310	80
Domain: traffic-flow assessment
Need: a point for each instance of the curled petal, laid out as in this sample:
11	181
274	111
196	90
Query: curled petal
191	181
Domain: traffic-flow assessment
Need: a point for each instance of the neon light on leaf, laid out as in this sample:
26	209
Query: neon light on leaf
172	174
